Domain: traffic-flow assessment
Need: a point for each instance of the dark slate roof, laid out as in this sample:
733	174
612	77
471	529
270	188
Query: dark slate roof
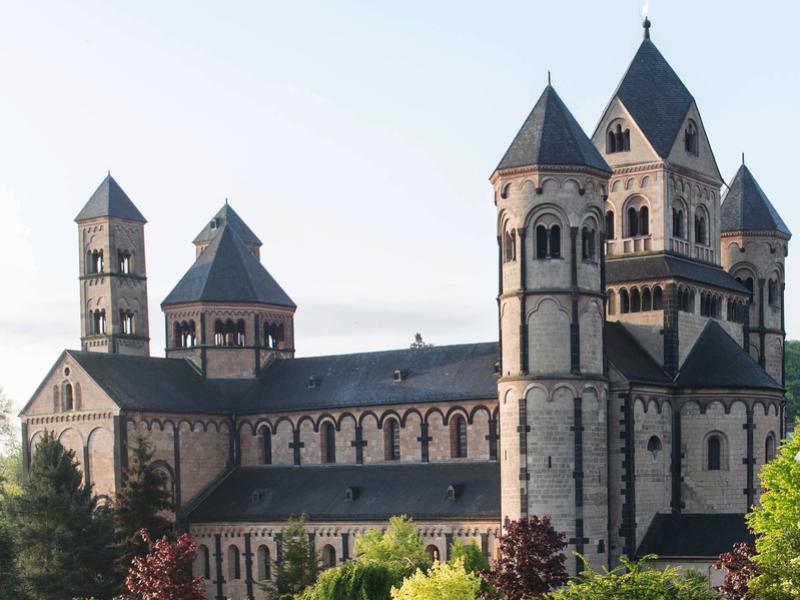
658	266
152	384
552	136
747	208
630	359
227	216
109	200
271	493
227	271
655	97
439	373
698	535
716	360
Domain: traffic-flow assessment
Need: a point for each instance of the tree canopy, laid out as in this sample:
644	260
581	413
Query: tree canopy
401	549
443	581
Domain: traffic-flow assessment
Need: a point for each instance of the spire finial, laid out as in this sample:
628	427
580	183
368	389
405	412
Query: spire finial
109	172
646	22
742	158
548	76
226	201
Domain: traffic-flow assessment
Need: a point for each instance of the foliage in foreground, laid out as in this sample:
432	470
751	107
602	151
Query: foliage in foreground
637	580
354	580
400	549
165	572
739	569
61	536
443	581
531	562
139	505
776	523
300	563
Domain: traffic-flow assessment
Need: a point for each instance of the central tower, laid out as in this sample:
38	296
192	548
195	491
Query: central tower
549	190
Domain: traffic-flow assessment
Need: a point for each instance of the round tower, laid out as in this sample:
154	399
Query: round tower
755	243
549	190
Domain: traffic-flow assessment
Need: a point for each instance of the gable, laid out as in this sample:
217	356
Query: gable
87	394
641	150
703	162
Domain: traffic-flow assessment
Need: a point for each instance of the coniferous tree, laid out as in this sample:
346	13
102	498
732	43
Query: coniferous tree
61	536
299	563
140	505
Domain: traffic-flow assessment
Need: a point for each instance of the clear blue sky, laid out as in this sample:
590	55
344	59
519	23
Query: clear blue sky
355	138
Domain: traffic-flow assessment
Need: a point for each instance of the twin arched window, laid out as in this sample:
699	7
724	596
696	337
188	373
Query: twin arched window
274	335
710	305
98	322
700	228
677	223
185	334
618	140
126	322
94	262
458	437
686	300
548	242
124	261
391	443
229	333
638	221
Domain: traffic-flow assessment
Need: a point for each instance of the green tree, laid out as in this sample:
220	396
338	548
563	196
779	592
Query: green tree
353	580
401	549
140	505
443	581
776	523
299	563
473	560
637	580
792	379
61	536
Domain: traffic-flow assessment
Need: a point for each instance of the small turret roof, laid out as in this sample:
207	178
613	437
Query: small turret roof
227	216
109	200
552	136
227	271
655	97
746	207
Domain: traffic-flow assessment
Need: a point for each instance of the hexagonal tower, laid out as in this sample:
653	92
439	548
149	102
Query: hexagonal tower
755	243
113	273
549	190
227	314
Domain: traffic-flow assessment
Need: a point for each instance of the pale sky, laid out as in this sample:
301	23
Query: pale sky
356	139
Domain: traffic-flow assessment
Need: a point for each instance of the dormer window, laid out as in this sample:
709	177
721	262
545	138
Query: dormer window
350	494
618	140
214	224
690	139
313	382
453	492
398	375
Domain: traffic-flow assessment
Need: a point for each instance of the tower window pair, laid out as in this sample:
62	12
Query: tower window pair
126	322
274	335
618	140
98	321
124	259
185	334
548	242
94	262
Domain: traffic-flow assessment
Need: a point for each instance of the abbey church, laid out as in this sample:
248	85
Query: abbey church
633	392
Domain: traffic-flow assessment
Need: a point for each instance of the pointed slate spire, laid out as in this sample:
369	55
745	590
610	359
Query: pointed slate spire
747	208
109	200
227	216
228	272
551	136
654	96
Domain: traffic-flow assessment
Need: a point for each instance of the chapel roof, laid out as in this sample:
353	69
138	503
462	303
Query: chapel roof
717	361
275	493
694	535
655	97
551	136
746	207
227	216
227	271
110	200
630	358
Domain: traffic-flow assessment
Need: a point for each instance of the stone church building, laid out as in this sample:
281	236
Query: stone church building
633	393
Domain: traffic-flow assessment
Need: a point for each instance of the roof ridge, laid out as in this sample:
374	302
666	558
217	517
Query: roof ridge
397	350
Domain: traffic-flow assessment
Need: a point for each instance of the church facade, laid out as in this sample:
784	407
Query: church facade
634	391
